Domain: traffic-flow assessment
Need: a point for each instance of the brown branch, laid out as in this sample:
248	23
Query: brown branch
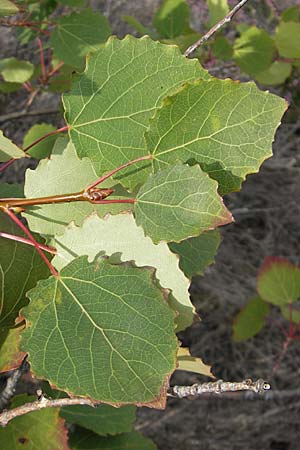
41	403
215	28
24	113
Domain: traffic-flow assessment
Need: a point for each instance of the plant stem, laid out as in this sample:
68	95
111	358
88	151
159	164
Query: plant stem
16	238
42	59
215	28
91	195
11	384
56	69
31	238
109	174
51	133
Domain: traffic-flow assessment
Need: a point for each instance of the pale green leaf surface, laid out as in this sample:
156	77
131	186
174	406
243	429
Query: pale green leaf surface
16	71
42	149
120	235
196	253
102	331
110	104
217	10
82	439
42	429
65	174
287	39
8	8
102	420
277	73
179	202
172	18
78	34
226	126
20	269
191	363
278	281
254	51
8	149
250	320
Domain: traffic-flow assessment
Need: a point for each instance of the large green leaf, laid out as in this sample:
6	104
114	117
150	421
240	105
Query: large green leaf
8	149
217	10
7	8
103	331
82	439
42	429
64	174
102	420
179	202
250	320
120	235
254	51
110	104
42	149
191	363
78	34
20	269
16	71
278	281
287	39
172	18
196	253
226	126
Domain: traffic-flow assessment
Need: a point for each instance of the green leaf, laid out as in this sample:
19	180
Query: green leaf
8	149
78	34
7	88
222	49
65	174
254	51
226	126
291	14
217	10
287	39
136	25
42	149
179	202
10	354
120	235
15	70
250	320
20	269
42	429
102	331
278	281
191	363
11	190
196	253
184	41
109	106
291	312
277	73
102	420
8	8
84	439
172	18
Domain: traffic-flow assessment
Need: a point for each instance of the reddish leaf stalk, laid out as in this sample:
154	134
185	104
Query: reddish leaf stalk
56	69
42	59
51	133
16	238
31	238
109	174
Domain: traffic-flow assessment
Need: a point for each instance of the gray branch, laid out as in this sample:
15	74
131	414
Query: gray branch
11	384
215	28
